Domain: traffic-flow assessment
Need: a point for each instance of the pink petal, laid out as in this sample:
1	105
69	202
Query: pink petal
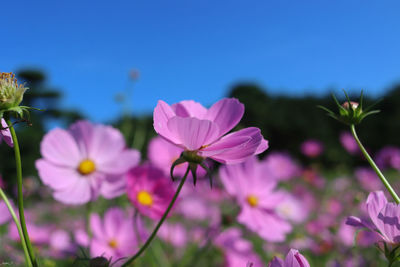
375	203
226	113
96	227
162	114
189	108
193	132
235	147
295	259
113	220
56	177
82	131
123	162
105	145
59	147
101	249
78	193
113	187
6	134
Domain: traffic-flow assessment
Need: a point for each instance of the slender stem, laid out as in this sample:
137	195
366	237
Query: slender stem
20	196
154	233
21	234
373	165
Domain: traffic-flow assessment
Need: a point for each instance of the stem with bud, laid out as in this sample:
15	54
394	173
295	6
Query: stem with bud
20	195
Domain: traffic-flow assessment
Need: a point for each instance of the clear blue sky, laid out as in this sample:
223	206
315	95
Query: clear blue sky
191	49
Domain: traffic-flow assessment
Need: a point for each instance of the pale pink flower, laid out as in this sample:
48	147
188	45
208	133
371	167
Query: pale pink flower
255	191
85	161
368	179
114	236
149	190
192	127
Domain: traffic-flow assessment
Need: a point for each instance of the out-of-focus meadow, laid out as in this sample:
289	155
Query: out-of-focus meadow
312	159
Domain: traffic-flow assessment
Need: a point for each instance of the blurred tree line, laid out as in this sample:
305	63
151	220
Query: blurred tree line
284	120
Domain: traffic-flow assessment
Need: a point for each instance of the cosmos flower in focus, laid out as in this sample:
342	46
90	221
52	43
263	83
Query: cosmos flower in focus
203	132
85	161
149	190
383	218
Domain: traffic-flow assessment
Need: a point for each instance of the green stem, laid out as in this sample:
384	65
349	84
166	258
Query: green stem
20	196
373	165
154	233
21	234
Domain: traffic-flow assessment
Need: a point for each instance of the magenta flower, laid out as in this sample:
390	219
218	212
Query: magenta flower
281	166
238	252
85	161
192	127
384	218
293	259
255	192
312	148
5	133
348	142
114	237
149	190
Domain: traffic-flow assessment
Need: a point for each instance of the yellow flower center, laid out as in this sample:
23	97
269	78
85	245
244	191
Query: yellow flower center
86	167
113	243
252	200
145	198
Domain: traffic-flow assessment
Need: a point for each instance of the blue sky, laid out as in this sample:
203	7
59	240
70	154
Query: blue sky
197	49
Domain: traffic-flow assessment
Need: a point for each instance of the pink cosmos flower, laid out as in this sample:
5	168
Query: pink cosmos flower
38	234
5	133
149	190
192	127
114	237
238	252
348	142
384	218
293	259
255	192
312	148
85	161
281	166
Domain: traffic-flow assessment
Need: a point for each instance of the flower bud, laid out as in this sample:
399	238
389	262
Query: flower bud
11	93
350	112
